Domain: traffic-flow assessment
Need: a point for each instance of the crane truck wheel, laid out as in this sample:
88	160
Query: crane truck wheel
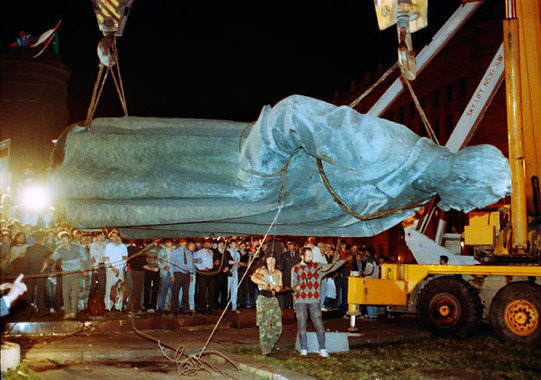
449	306
515	312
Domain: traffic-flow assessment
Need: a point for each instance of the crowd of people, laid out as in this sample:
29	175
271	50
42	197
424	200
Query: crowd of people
63	265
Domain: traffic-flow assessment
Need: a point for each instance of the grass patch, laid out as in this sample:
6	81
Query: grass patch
22	372
480	357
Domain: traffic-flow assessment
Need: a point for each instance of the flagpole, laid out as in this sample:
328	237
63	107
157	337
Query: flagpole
56	43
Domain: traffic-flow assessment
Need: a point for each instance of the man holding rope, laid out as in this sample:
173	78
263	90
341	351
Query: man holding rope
269	316
306	282
115	257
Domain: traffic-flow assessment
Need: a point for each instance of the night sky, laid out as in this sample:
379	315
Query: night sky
218	59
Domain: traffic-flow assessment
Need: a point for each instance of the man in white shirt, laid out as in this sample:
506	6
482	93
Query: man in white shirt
115	257
318	257
233	260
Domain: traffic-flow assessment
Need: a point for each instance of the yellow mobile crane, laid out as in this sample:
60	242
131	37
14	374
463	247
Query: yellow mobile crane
505	288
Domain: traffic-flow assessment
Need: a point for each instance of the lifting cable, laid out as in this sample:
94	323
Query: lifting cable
430	209
426	123
108	55
354	103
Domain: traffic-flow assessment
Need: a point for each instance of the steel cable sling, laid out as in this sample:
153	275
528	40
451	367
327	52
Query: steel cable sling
108	54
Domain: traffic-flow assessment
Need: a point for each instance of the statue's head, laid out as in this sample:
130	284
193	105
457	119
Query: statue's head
475	177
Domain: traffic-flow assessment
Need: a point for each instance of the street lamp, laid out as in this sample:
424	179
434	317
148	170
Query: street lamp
35	198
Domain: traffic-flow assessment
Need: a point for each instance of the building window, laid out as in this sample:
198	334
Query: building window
463	89
422	130
436	97
449	91
412	110
391	115
436	128
401	115
450	124
423	101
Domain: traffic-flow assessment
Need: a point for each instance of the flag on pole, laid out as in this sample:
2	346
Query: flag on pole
44	39
26	40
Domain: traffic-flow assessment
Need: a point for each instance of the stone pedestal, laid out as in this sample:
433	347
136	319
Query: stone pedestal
11	356
334	341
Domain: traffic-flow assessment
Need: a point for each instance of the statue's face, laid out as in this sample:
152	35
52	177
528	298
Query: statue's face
474	177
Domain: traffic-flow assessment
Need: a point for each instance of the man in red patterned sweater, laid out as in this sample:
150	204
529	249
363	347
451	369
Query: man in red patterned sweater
305	281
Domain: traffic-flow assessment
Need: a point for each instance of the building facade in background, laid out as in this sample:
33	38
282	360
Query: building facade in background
33	108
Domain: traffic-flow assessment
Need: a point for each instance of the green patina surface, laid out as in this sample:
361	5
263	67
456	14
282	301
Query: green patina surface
21	372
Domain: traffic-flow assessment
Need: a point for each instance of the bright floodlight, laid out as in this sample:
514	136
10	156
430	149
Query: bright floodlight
35	198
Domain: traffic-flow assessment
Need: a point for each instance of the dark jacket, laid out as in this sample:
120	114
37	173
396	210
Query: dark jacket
218	256
285	263
35	255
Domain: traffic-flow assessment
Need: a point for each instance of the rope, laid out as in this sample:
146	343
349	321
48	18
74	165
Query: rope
432	205
354	103
256	254
120	92
187	365
100	82
94	98
123	97
364	218
426	123
242	133
58	273
96	101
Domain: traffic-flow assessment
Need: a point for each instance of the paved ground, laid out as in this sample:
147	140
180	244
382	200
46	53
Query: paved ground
127	355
